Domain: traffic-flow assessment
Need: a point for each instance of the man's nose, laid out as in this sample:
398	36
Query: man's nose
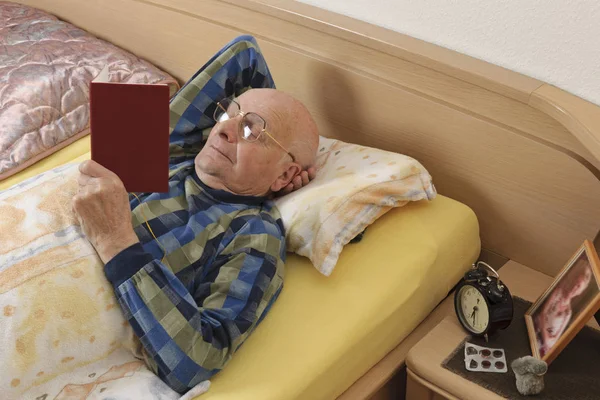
229	130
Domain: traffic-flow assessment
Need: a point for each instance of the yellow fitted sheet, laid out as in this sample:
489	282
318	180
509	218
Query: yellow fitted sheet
76	151
324	333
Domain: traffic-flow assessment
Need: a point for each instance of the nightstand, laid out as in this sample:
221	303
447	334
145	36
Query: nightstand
428	380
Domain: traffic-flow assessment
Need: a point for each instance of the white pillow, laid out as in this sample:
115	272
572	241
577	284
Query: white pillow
354	186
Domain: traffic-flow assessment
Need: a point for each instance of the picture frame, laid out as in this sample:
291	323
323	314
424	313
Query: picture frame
566	306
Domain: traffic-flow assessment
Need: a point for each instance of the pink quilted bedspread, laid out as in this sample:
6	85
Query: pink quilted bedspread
46	66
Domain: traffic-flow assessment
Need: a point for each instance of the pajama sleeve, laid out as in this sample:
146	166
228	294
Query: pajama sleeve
190	333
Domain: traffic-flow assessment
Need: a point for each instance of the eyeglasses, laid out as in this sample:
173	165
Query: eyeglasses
252	125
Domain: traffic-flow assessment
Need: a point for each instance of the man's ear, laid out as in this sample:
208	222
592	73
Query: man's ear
292	170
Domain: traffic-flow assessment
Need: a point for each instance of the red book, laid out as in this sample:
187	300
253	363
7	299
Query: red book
129	126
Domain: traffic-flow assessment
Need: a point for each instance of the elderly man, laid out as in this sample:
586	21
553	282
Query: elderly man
197	268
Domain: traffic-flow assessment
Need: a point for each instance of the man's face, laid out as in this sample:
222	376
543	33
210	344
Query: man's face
250	168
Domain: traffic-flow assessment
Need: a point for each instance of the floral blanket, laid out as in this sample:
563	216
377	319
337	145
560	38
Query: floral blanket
62	335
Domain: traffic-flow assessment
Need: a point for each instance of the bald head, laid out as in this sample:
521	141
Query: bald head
231	163
288	120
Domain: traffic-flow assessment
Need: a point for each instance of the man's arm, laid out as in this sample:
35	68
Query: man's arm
237	67
189	342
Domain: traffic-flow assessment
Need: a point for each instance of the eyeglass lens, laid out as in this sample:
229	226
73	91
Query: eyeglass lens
251	124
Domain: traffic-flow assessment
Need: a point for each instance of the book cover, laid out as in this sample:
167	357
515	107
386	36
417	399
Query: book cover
129	126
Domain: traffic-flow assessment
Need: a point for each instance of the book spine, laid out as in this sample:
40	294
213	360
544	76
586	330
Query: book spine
91	108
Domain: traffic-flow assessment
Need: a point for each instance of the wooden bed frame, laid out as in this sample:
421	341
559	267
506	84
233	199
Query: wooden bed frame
524	155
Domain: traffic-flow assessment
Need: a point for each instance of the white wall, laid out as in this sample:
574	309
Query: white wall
556	41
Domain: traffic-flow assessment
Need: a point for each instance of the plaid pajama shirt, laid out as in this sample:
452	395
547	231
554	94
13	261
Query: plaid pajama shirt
225	254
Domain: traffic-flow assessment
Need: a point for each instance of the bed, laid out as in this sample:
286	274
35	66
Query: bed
486	135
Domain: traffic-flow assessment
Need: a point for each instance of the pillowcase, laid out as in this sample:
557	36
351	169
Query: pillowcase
46	66
354	186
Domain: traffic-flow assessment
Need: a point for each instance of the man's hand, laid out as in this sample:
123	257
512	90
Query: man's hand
102	207
299	181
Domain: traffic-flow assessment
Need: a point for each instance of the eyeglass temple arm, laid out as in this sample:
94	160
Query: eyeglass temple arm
280	145
220	106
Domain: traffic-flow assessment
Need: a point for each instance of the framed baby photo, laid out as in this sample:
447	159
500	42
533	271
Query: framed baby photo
566	306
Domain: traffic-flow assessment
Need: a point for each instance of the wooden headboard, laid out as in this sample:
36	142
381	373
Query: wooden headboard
521	153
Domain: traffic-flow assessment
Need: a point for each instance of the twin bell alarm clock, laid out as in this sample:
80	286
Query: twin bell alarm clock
483	304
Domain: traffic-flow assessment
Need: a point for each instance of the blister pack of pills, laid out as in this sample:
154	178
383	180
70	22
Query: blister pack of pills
484	359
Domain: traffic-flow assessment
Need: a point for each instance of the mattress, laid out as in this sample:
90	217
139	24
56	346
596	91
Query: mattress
325	332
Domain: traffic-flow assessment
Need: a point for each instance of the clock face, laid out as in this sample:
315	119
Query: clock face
472	309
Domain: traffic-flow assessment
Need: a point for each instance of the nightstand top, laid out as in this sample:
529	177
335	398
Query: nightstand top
426	357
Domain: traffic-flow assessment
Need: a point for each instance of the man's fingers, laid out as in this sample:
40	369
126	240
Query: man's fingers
305	179
93	169
288	189
76	204
84	180
73	206
297	182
